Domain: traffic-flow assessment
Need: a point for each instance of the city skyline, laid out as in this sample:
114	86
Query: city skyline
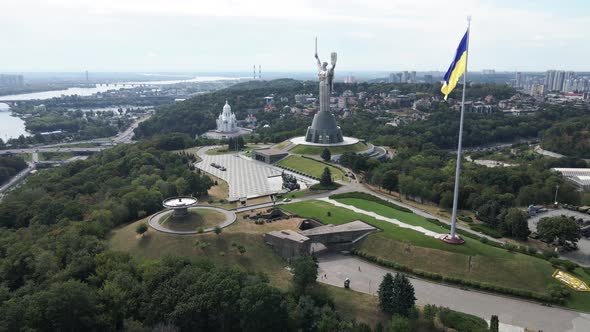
133	36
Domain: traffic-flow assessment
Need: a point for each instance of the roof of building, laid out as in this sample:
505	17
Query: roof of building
580	176
270	152
289	235
573	171
352	226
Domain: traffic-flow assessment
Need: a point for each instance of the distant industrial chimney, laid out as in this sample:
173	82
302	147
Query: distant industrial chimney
259	73
254	66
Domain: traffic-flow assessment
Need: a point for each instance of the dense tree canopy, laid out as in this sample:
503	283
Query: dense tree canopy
119	184
571	137
9	166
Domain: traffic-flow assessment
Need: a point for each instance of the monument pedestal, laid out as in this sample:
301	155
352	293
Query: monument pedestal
452	240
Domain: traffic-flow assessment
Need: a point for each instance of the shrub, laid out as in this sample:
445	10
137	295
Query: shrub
566	264
217	230
466	219
496	234
549	253
200	230
141	228
531	250
462	322
559	293
510	247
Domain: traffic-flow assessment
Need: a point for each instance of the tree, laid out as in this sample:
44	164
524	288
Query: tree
403	298
326	178
241	249
386	294
494	324
141	228
217	230
326	154
516	225
560	229
390	181
262	308
305	272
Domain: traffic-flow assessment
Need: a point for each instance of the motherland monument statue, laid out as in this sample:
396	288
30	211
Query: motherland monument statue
323	129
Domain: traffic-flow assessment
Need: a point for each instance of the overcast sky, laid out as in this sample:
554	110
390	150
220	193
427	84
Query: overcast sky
231	35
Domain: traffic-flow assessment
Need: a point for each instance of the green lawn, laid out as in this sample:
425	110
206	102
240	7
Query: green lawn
317	150
311	167
46	156
363	306
473	260
224	150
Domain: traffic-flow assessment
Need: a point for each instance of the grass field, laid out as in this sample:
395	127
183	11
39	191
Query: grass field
364	307
224	150
196	218
474	260
317	150
311	167
217	248
47	156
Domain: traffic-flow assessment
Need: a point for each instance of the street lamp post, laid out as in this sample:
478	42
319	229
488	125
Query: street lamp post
556	189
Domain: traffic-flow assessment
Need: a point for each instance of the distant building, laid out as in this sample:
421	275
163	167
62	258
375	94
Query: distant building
537	90
227	125
518	79
304	99
269	156
350	79
393	78
488	72
11	80
517	112
580	177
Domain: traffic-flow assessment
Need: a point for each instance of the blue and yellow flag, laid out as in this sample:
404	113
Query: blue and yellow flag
457	67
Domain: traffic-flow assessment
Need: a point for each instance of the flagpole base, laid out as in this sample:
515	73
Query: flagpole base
452	240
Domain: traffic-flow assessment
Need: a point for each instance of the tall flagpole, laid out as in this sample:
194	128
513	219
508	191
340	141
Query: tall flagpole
459	145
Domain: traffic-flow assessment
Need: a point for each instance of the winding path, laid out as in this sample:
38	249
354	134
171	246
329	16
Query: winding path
380	217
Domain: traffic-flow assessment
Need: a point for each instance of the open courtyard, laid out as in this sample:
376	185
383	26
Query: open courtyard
246	177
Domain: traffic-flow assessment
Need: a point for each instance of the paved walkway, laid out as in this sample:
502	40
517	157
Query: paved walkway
380	217
511	311
154	220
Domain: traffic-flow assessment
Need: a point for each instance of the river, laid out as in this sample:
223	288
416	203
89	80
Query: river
106	87
10	126
13	127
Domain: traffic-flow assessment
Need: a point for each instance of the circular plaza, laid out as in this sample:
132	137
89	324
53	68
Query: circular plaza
300	140
183	216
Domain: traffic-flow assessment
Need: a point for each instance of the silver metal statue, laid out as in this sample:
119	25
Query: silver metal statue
326	76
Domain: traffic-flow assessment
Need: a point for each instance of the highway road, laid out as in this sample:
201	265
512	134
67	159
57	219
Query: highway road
123	137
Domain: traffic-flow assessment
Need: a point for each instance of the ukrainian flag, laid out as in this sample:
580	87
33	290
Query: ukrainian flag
457	68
